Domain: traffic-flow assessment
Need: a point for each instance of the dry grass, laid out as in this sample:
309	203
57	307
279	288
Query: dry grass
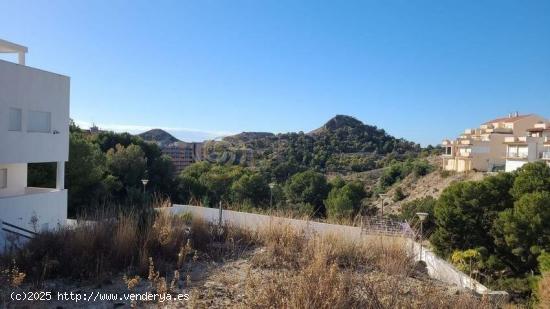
286	247
330	272
292	268
98	249
315	286
283	247
543	291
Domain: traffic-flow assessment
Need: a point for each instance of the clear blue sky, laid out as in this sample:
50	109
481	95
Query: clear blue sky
423	70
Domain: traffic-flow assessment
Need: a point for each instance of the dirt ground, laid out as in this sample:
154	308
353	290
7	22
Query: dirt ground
226	285
419	187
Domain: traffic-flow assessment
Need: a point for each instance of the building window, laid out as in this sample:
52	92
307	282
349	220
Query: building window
15	119
465	152
39	122
518	152
3	178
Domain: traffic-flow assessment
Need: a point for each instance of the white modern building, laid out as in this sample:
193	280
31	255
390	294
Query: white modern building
533	146
34	128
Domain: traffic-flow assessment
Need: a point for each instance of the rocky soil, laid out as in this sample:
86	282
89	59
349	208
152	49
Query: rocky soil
430	185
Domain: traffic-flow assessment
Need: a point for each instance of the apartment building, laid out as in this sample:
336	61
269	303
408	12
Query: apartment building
34	128
533	146
484	148
183	154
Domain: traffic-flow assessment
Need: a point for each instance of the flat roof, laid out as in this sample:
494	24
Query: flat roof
9	47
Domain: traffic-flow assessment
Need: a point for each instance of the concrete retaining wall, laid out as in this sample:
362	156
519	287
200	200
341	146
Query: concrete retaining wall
442	270
437	268
256	221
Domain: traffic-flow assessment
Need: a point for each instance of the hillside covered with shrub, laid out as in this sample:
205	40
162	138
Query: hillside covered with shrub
342	144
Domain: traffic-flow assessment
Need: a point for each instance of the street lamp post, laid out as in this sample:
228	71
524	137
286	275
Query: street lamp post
271	186
422	216
144	182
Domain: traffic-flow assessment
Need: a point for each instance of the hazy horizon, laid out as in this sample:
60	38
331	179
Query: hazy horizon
190	135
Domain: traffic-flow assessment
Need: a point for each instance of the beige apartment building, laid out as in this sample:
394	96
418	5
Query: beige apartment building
484	148
533	146
183	154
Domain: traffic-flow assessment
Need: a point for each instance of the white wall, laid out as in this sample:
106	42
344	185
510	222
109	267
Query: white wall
442	270
17	178
256	221
512	165
32	89
48	205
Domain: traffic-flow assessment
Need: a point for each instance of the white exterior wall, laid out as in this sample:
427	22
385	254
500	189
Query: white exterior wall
30	89
48	205
512	165
17	178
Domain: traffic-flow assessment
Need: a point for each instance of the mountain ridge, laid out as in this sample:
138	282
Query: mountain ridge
342	142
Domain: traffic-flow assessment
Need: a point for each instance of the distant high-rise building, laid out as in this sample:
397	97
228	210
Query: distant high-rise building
183	154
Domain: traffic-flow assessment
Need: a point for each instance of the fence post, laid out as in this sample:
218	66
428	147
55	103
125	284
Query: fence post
220	215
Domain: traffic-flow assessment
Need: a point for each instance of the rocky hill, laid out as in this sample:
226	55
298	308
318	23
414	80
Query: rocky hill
159	136
339	122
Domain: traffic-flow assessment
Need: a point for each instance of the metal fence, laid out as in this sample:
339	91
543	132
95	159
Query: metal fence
385	226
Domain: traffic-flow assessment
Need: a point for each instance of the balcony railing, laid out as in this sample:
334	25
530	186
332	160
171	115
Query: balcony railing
6	193
515	139
517	156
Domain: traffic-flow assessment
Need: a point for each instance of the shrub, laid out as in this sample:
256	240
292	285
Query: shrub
444	173
344	200
397	171
398	195
532	177
308	187
410	209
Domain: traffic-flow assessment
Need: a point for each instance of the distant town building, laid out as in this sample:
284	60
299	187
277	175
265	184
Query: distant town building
34	128
484	148
533	146
93	130
183	154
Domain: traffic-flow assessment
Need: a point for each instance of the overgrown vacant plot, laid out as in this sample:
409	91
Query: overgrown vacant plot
225	266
